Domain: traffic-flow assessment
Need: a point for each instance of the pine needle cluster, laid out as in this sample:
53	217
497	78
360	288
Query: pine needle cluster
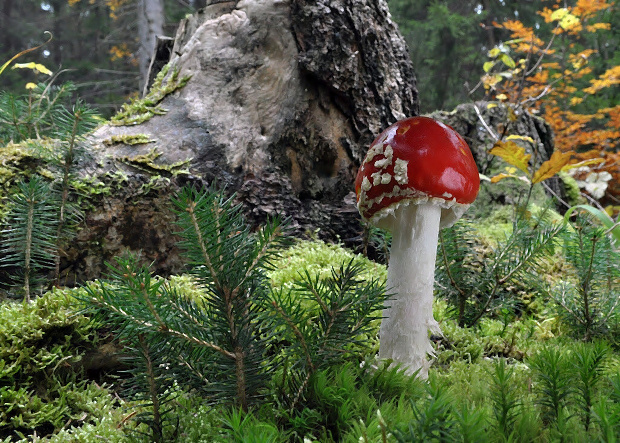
588	296
229	343
42	214
477	283
34	115
27	247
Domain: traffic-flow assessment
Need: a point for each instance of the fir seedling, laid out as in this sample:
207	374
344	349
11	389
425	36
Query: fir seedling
219	342
28	242
134	305
70	128
230	262
325	321
34	115
477	283
588	296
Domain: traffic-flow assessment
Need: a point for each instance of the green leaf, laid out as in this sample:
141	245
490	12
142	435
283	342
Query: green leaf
487	66
508	61
612	227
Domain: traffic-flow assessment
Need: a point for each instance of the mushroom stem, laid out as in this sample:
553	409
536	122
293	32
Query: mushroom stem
409	316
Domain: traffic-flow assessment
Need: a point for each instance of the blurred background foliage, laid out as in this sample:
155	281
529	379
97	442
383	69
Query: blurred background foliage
558	59
95	44
449	41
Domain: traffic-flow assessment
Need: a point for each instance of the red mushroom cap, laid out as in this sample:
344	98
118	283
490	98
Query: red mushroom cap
416	160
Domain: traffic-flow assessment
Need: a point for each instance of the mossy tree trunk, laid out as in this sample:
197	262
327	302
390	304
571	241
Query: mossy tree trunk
283	99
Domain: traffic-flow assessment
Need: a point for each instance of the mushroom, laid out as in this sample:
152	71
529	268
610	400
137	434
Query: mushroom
418	176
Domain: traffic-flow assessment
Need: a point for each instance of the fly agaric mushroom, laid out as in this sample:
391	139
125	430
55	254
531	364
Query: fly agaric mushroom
418	176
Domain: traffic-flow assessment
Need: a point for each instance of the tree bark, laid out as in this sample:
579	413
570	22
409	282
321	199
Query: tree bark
150	25
284	99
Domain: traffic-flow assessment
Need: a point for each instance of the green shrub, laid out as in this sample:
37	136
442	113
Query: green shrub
226	344
587	293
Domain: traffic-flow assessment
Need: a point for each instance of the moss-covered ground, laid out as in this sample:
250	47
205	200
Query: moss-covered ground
46	385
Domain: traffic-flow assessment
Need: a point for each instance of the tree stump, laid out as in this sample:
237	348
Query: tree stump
282	101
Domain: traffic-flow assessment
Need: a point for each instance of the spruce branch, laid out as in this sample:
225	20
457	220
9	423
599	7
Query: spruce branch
28	241
72	126
588	297
475	280
153	391
325	320
220	341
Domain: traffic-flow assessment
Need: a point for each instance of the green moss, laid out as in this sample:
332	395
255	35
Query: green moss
21	160
573	193
141	110
89	187
318	259
41	344
147	163
497	226
129	139
16	161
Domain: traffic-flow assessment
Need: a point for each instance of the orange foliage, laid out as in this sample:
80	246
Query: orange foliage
550	89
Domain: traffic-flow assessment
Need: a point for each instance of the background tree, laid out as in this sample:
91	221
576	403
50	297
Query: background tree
566	68
150	25
100	52
448	40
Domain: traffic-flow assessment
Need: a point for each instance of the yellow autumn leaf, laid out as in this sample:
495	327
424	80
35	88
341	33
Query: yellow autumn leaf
511	115
25	51
591	161
486	67
521	137
33	66
559	14
504	175
494	52
512	154
568	21
501	97
501	176
575	100
489	81
491	105
596	26
552	166
30	85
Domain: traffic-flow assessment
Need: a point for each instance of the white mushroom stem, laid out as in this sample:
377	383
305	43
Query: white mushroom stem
408	316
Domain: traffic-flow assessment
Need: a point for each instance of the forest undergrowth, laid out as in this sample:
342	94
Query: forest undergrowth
270	338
